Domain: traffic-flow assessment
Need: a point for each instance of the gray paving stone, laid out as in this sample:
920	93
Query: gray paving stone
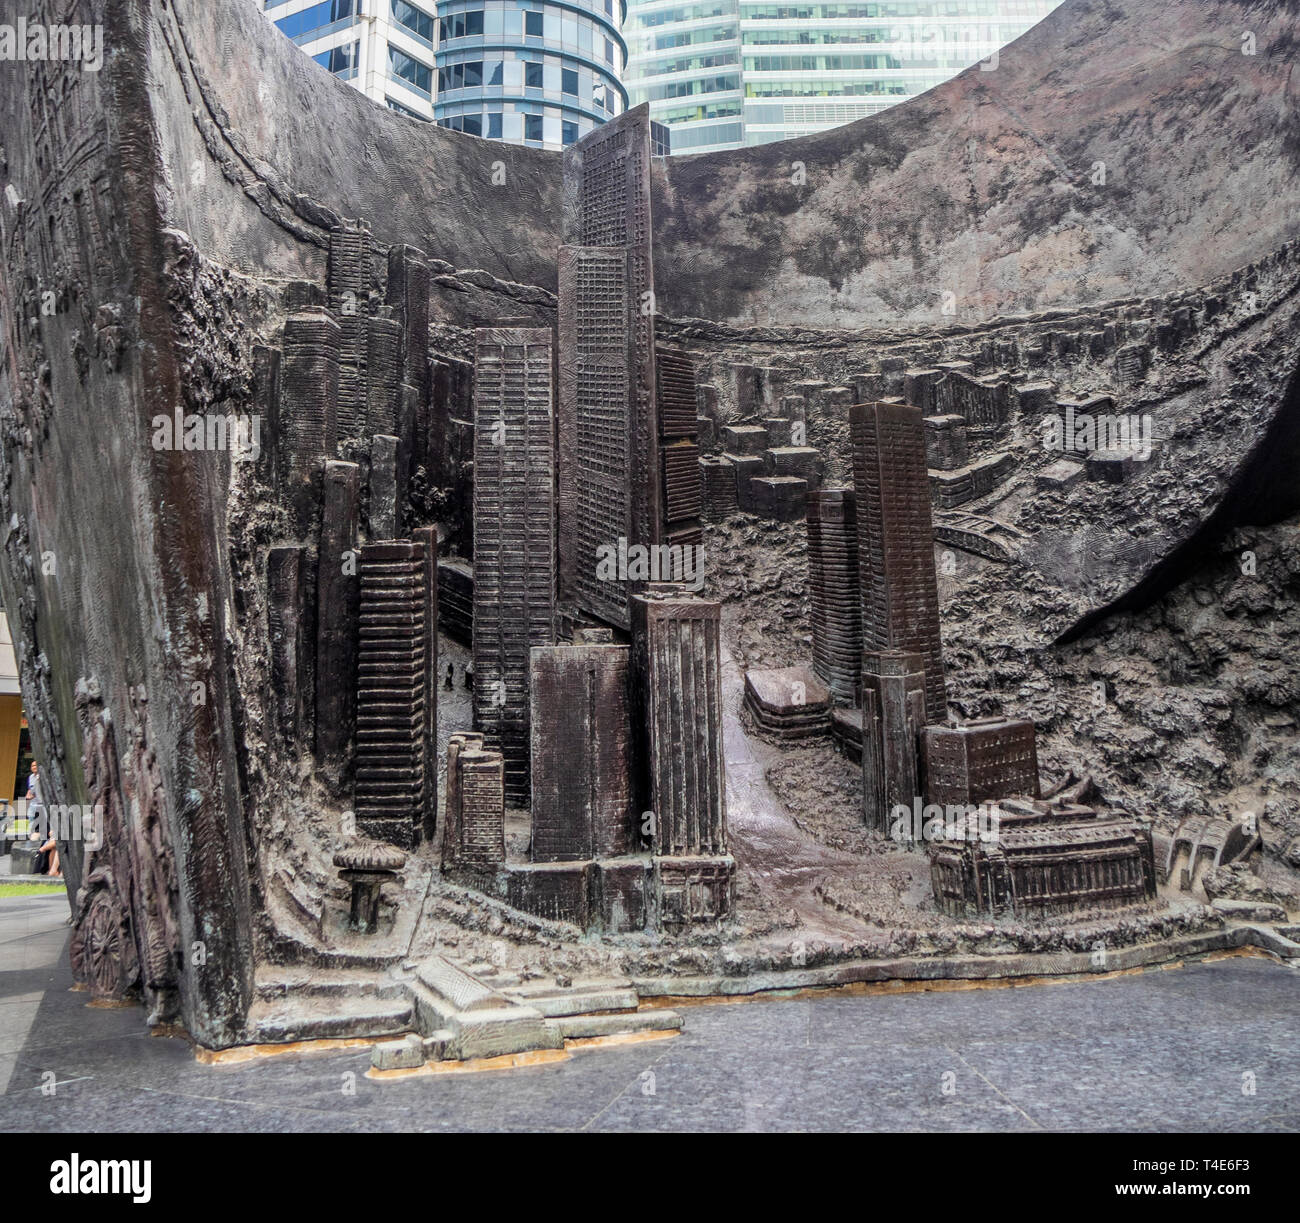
1161	1051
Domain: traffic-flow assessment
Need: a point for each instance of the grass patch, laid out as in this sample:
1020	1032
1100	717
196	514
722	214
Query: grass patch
31	889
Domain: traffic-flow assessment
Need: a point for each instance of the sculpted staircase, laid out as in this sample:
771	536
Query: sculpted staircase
440	1012
299	1003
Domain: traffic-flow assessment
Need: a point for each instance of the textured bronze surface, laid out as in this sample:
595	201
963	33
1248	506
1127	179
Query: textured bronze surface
611	485
834	592
677	720
286	596
900	589
976	761
514	531
337	611
893	712
392	673
1046	859
581	762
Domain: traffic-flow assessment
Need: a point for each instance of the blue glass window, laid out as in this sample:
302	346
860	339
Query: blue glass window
569	79
533	77
462	25
410	70
533	27
495	72
532	127
417	21
494	126
340	60
316	16
570	132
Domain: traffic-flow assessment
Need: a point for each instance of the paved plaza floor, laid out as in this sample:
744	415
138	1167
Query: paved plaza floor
1209	1046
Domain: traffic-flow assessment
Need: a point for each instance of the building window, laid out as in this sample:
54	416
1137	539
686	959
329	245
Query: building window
494	126
533	77
462	25
569	79
532	127
533	27
461	76
342	61
404	110
472	124
418	22
318	15
495	72
609	51
414	73
570	132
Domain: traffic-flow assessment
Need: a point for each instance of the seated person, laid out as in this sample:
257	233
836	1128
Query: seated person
48	862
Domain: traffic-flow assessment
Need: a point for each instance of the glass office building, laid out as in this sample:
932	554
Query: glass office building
685	61
725	73
530	71
537	72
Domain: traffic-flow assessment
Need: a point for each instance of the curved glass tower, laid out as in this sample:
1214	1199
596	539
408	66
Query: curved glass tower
539	72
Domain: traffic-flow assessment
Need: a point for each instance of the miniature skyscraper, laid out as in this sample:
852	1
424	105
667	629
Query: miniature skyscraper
336	620
514	532
610	473
582	802
457	741
348	282
893	712
392	677
986	759
679	449
482	808
833	591
308	411
900	591
290	666
677	719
